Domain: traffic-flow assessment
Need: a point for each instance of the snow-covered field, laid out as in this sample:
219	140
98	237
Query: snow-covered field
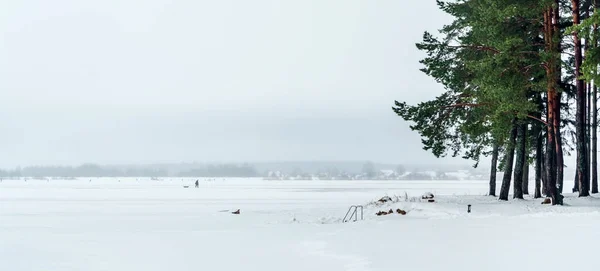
129	224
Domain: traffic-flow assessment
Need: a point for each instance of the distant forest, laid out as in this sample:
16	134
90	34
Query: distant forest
92	170
208	170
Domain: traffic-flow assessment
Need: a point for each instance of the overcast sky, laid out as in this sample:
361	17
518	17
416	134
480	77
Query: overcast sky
139	81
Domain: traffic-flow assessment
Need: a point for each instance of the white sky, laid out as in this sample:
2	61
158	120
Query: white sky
132	81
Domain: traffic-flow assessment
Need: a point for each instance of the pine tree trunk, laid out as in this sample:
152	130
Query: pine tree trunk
520	161
526	176
508	165
550	166
576	186
525	181
545	142
544	173
553	149
594	140
558	148
547	155
581	104
576	181
594	123
539	157
588	139
494	168
550	162
558	183
588	89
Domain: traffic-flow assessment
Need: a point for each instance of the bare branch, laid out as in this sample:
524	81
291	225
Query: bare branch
538	119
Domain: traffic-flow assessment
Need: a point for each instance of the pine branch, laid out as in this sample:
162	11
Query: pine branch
466	105
477	47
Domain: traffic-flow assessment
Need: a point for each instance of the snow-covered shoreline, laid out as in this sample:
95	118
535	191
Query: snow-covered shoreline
129	224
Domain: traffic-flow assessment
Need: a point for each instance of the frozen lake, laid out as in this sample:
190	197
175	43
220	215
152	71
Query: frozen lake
128	224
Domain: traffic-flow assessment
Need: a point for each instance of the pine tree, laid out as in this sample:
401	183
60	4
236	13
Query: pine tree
589	72
594	46
553	161
582	165
497	60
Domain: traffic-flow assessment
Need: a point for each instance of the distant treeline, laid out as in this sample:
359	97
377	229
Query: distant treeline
92	170
294	169
226	170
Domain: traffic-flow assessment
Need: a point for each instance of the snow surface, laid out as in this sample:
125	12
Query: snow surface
141	224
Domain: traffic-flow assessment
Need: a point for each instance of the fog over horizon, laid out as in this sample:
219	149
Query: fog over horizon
139	82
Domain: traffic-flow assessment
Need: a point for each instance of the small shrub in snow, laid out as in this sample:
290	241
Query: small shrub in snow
380	213
391	211
385	199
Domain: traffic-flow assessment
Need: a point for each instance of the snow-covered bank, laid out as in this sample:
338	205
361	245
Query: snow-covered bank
159	225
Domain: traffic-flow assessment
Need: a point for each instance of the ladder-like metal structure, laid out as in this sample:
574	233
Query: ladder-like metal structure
353	213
